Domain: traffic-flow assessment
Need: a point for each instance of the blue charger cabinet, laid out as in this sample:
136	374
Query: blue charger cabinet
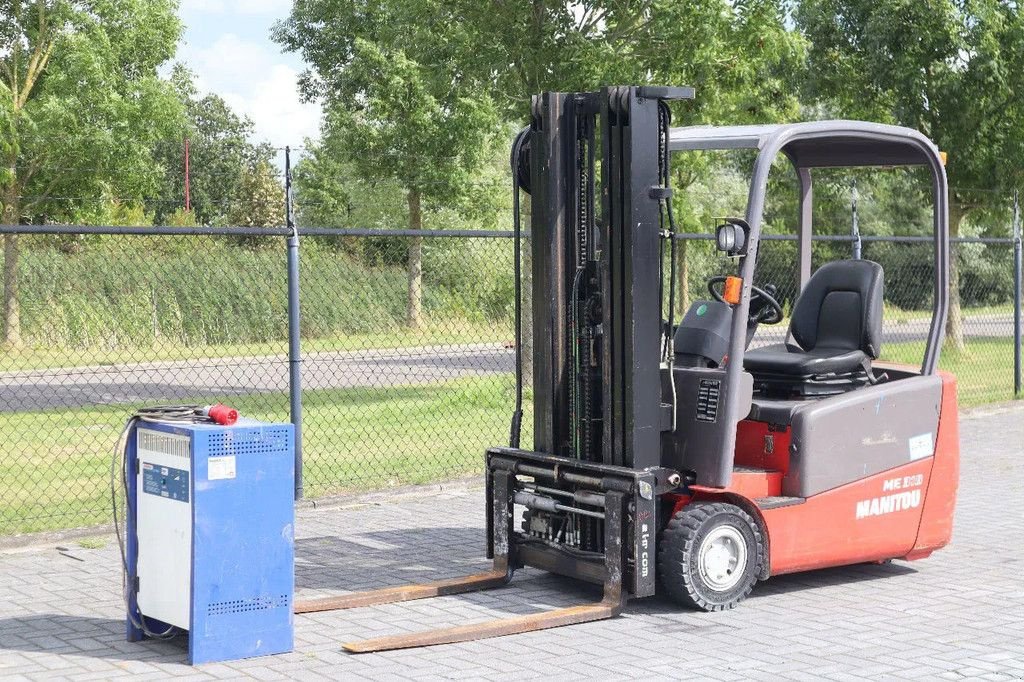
210	536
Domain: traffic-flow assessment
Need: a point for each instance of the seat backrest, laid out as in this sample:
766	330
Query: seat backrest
841	307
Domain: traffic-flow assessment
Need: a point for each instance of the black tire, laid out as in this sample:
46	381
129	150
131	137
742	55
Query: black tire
679	555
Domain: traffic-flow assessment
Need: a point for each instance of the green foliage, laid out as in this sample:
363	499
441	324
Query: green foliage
220	151
396	107
471	278
110	210
83	100
181	218
330	192
739	55
393	121
8	137
107	211
945	67
259	199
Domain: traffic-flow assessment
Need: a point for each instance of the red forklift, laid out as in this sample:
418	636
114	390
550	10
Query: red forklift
672	458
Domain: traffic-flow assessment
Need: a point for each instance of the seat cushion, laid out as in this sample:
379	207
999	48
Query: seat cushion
841	307
790	361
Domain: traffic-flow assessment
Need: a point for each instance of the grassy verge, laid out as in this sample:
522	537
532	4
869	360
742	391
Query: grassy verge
55	473
448	332
983	369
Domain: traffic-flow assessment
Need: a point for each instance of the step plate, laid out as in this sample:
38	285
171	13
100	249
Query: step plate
776	502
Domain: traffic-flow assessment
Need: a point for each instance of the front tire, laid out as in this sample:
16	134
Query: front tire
710	556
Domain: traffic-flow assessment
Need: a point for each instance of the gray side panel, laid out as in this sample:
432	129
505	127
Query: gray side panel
848	437
703	427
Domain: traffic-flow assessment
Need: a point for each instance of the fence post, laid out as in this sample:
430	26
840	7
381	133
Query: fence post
294	350
1016	296
854	221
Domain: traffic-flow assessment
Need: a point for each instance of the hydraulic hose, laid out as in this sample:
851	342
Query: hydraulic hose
515	429
665	119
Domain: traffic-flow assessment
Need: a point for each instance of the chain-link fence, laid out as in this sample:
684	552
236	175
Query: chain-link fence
392	391
981	336
396	387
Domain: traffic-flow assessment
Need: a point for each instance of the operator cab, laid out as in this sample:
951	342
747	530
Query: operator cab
816	388
834	335
836	330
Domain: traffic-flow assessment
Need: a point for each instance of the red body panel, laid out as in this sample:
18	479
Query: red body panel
759	446
905	512
827	530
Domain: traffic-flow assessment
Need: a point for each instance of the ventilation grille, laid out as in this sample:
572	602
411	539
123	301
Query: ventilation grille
257	442
223	608
163	443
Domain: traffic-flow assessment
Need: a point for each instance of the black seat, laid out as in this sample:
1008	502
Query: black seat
837	322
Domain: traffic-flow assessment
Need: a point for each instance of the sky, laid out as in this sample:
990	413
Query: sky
227	45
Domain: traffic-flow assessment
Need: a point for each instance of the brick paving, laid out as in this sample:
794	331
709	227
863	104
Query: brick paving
956	615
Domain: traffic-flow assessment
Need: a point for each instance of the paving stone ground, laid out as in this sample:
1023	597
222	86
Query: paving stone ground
956	615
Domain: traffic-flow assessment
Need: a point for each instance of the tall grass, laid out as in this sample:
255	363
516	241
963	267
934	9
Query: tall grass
132	292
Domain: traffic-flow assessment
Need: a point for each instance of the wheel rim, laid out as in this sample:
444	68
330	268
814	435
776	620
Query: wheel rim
722	558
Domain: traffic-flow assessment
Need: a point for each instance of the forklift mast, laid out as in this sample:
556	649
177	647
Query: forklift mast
590	484
596	292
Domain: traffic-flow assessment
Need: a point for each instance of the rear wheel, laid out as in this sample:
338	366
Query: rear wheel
710	556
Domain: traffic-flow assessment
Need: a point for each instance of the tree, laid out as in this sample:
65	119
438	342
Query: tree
259	199
739	54
395	118
740	65
81	106
331	192
948	68
220	151
505	52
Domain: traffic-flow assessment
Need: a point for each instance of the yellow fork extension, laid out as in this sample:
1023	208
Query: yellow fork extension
607	608
391	595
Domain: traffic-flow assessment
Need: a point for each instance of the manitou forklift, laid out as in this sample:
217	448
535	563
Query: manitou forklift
673	458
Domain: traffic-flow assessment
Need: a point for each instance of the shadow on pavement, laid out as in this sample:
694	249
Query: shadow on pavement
387	558
785	584
399	557
57	633
827	577
529	592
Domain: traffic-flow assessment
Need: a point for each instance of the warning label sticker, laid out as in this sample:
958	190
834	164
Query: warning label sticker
222	467
921	446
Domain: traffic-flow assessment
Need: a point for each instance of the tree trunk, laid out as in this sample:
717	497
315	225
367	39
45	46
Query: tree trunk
682	279
414	302
527	311
11	312
955	320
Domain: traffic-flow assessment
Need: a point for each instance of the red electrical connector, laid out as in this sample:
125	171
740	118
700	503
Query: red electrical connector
221	414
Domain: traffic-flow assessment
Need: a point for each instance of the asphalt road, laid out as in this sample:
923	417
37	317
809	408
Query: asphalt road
194	380
202	379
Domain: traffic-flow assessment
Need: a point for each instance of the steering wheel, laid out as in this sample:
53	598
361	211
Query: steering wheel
764	309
